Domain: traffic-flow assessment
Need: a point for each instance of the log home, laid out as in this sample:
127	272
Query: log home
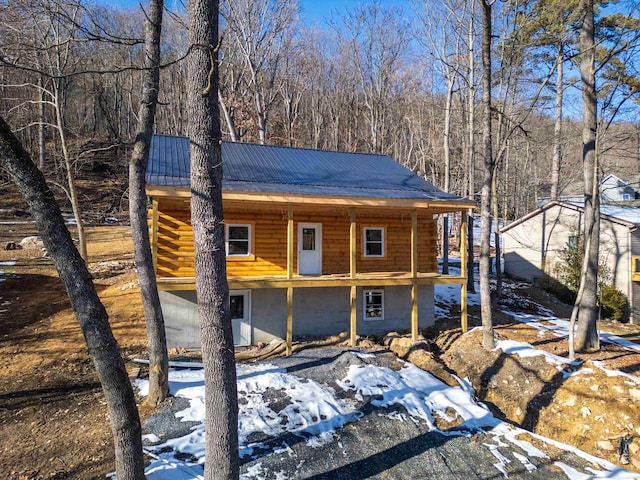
317	242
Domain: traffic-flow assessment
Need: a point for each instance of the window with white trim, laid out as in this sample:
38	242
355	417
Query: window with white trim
238	240
373	302
374	242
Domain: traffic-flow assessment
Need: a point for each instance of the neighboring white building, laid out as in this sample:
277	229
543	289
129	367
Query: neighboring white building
532	244
615	190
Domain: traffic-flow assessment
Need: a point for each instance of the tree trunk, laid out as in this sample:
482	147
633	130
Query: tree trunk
447	174
158	356
91	314
42	151
496	234
221	405
71	183
472	145
587	315
487	178
471	284
228	119
557	131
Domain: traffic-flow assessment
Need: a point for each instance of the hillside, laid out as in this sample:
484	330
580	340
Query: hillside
53	418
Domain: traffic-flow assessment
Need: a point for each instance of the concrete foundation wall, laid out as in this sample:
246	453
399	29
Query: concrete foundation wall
316	311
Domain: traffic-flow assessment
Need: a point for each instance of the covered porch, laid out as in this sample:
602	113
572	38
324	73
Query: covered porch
417	268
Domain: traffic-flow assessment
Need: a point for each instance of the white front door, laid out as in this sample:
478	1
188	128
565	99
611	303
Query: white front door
309	249
240	305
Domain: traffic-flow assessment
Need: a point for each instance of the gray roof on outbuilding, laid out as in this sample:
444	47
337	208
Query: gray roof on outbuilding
269	169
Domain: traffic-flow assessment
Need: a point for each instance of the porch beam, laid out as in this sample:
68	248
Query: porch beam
189	283
464	324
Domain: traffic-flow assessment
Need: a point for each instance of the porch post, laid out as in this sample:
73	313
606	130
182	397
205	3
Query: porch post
154	234
289	319
463	272
290	242
414	275
352	275
290	233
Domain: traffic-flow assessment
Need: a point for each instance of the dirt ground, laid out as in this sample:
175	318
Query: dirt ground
52	411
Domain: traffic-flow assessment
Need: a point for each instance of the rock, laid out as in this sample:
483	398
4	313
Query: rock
32	243
585	411
571	401
12	246
594	388
634	448
605	445
635	394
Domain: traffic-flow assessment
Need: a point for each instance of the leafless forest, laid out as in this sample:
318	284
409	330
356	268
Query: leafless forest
400	81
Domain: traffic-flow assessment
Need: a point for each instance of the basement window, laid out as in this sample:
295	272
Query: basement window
373	305
238	240
374	242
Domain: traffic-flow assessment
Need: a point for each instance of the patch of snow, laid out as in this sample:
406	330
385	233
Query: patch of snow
524	350
615	373
530	467
7	264
151	438
419	392
502	460
364	356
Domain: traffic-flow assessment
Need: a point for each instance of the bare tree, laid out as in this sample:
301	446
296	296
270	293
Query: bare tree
376	40
158	356
89	311
257	30
221	403
487	179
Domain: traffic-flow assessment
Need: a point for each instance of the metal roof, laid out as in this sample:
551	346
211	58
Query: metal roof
270	169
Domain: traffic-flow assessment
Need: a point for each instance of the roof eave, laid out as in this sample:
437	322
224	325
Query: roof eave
443	206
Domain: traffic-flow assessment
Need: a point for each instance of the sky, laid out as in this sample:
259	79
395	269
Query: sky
312	11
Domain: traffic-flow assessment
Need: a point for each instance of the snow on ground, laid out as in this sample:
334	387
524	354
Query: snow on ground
546	322
449	295
315	412
2	273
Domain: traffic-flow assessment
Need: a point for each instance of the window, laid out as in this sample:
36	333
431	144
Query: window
308	239
373	305
626	196
238	240
572	241
374	242
635	268
236	306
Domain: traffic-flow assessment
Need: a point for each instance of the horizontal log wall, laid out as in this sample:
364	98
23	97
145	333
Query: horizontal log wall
175	255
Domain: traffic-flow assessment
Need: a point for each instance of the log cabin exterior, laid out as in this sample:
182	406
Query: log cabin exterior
317	242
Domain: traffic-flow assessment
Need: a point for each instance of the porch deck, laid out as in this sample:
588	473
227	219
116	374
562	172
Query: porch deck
333	280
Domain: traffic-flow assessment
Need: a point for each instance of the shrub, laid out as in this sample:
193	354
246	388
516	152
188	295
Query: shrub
615	304
557	289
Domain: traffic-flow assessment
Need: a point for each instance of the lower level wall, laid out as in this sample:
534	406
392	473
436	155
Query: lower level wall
316	311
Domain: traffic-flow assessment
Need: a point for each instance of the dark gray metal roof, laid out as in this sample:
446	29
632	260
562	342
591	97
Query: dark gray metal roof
269	169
